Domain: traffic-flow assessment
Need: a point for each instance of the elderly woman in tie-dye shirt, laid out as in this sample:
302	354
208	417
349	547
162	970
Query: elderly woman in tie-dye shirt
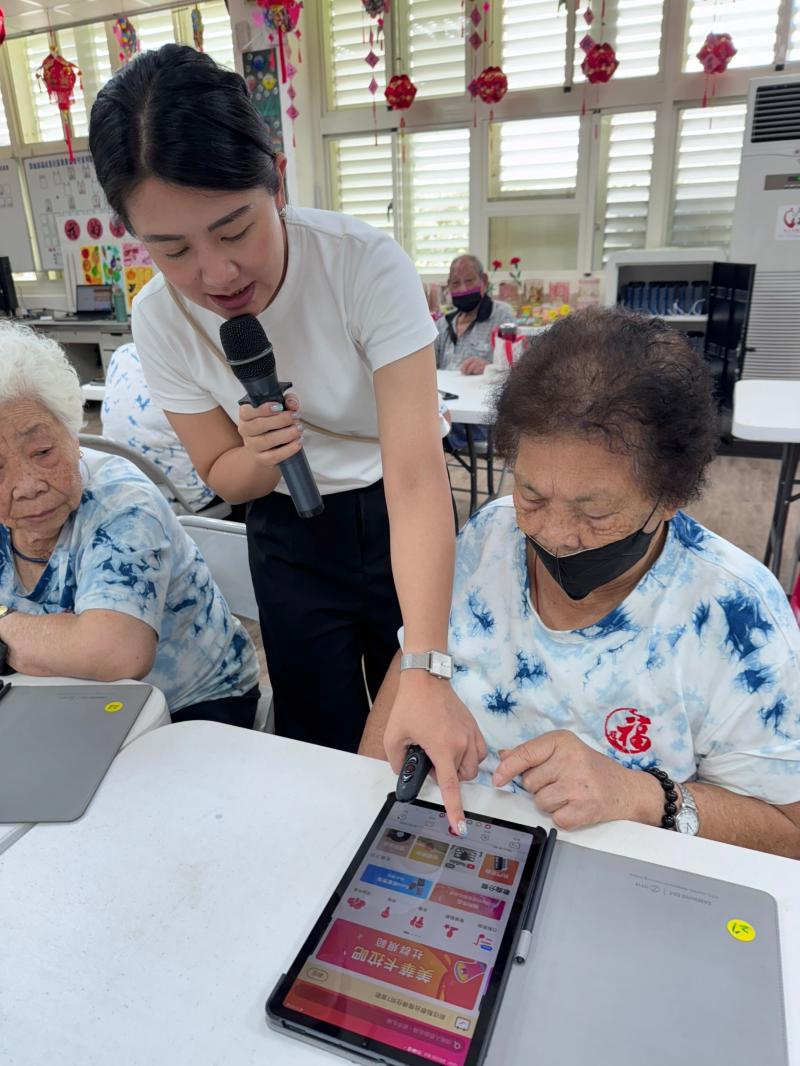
97	578
597	631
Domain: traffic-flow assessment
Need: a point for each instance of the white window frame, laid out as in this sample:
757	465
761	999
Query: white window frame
664	93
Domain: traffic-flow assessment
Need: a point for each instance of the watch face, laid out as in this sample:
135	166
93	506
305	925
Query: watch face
687	821
3	610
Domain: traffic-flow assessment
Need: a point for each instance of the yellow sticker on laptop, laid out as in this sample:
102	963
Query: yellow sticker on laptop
740	930
113	707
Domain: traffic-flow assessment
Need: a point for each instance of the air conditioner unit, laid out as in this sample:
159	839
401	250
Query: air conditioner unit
766	227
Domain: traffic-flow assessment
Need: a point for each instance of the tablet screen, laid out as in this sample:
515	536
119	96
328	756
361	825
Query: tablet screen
416	936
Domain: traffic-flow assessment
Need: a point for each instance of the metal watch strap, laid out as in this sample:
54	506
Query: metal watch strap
688	812
437	663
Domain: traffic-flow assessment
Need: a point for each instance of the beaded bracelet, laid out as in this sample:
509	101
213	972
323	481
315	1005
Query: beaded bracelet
670	796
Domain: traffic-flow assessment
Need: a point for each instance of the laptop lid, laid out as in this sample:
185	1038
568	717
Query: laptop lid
56	744
94	301
635	963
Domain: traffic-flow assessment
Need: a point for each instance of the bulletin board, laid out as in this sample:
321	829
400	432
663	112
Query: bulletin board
15	241
60	190
95	249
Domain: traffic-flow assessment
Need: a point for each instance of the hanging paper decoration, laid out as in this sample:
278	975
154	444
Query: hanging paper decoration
715	55
280	18
197	28
376	9
2	25
400	93
491	85
127	39
59	75
600	60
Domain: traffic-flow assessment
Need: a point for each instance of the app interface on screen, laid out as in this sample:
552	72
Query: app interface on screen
411	946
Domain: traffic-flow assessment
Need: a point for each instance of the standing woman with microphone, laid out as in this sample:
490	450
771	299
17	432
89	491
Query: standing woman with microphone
185	161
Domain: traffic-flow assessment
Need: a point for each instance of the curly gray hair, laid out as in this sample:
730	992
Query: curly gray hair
35	367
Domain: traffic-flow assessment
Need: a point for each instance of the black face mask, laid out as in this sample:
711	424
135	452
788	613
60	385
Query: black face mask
466	301
582	573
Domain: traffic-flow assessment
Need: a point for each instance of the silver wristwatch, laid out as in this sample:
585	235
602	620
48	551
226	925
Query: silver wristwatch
438	663
687	820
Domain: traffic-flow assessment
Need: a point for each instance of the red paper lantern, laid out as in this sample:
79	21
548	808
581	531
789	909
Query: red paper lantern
599	64
58	75
715	55
400	93
491	85
282	16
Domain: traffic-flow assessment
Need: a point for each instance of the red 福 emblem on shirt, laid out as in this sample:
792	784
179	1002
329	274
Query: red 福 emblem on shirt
626	730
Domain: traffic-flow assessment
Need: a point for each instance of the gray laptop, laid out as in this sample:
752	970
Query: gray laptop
56	744
634	964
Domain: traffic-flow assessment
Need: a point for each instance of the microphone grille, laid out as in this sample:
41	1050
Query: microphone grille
243	339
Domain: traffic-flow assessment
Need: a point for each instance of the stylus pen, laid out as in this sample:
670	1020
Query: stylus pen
5	689
525	937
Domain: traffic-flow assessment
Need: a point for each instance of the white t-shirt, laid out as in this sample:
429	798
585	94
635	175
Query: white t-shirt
697	671
351	302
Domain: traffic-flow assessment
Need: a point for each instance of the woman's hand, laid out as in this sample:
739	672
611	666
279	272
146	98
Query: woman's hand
427	712
270	433
474	365
577	785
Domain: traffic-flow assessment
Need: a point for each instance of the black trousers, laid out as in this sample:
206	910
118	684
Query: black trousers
230	710
327	601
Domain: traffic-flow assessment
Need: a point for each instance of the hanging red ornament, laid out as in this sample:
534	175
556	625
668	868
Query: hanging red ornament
715	55
400	93
599	64
375	8
491	85
59	76
2	25
281	17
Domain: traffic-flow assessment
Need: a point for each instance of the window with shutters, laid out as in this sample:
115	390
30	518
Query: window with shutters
534	157
154	29
624	197
752	24
533	43
633	27
347	30
706	174
432	39
362	179
434	221
39	117
88	47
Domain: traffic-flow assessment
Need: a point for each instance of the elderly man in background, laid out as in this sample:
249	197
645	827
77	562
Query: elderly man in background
98	580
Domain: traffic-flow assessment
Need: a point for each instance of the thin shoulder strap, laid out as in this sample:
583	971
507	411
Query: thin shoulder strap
216	351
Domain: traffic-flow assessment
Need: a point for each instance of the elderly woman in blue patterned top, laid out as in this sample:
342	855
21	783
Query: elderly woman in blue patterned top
602	638
97	578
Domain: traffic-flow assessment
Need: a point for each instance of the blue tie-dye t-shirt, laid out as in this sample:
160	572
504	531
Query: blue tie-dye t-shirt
123	550
697	671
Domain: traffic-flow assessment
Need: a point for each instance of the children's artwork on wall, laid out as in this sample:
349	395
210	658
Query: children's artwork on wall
135	254
262	78
135	280
112	265
90	263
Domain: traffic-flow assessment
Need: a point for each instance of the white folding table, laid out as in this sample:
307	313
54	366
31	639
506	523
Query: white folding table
473	406
154	713
152	930
769	410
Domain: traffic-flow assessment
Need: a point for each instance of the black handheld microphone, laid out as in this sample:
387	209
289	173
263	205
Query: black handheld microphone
252	360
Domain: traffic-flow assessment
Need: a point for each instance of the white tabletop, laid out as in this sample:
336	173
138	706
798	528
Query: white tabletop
154	713
94	391
154	929
767	410
474	392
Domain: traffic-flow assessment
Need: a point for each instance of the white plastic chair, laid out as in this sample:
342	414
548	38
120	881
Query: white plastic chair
176	498
223	545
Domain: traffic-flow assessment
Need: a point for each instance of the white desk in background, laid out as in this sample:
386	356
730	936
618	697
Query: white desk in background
152	930
154	713
473	407
107	334
769	410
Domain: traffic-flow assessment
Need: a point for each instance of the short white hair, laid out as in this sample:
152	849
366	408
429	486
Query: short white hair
32	366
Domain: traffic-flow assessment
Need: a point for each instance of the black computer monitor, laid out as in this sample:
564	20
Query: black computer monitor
8	294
